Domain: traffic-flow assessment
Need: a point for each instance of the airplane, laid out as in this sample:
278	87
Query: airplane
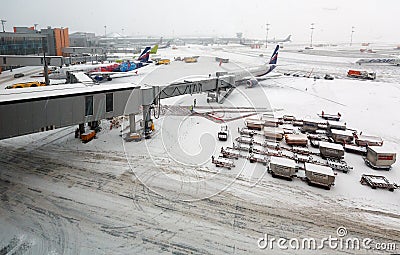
105	69
127	67
164	46
154	49
287	39
259	73
393	61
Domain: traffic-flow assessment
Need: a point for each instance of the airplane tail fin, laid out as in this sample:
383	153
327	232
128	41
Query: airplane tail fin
154	49
288	38
274	57
144	53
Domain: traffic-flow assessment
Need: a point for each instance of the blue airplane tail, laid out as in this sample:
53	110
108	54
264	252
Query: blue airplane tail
274	57
144	57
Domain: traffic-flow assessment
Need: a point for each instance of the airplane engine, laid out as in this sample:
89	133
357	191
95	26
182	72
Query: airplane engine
251	83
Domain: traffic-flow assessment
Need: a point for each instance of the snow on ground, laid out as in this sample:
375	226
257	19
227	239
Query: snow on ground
163	195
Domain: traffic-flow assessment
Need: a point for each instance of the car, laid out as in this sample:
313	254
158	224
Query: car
19	75
328	77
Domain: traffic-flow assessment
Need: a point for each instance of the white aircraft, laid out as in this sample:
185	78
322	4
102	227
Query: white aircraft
62	72
287	39
258	73
392	61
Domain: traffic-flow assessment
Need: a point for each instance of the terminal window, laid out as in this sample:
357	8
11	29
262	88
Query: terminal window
88	105
109	102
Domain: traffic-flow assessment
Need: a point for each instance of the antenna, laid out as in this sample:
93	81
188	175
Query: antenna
312	30
266	37
2	23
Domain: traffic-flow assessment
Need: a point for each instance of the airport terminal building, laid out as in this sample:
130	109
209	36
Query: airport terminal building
28	41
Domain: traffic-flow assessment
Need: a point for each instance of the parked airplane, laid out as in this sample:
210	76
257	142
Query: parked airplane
164	46
287	39
258	73
125	67
104	70
392	61
154	49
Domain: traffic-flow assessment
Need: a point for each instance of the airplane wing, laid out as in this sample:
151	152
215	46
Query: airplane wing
101	76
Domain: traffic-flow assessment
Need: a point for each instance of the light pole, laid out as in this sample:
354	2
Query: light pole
266	37
2	23
312	31
105	31
45	67
351	37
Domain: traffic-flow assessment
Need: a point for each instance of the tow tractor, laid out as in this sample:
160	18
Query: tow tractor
223	133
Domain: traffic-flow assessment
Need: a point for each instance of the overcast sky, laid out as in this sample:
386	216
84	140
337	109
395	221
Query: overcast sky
373	20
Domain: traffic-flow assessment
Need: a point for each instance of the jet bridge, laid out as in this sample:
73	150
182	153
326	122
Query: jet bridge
31	110
151	95
11	60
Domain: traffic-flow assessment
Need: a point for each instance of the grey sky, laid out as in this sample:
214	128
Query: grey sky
373	20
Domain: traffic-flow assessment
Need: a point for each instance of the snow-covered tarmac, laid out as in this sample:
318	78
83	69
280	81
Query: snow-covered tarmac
163	195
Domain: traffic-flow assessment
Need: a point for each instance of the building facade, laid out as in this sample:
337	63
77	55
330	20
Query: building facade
28	41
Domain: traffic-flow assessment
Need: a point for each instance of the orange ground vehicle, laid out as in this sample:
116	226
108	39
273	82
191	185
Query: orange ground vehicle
361	75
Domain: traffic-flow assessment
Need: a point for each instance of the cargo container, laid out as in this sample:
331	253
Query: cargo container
282	167
296	139
243	147
288	118
341	136
274	133
339	165
271	122
331	150
379	157
301	150
355	149
311	125
336	125
319	175
222	162
246	131
364	140
258	158
230	153
254	124
299	158
245	139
